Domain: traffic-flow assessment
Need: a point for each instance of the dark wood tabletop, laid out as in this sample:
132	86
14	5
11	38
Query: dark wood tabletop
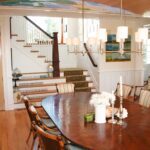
67	112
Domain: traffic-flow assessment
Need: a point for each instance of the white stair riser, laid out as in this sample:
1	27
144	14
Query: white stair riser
88	79
61	74
29	76
90	84
41	81
37	88
38	75
93	90
85	72
41	95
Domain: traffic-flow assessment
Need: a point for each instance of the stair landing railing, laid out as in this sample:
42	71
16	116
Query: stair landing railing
28	31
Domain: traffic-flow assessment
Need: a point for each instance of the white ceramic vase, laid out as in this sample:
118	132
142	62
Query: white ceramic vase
100	113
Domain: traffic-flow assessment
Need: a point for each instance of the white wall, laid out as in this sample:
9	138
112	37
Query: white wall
67	60
28	62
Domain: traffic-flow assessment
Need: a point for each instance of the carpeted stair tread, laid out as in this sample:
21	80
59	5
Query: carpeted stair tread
71	69
76	78
73	72
81	83
81	89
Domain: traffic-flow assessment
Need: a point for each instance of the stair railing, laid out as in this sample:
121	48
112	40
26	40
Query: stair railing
89	55
35	35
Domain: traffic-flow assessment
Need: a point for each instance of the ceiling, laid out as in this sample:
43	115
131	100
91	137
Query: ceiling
135	6
132	7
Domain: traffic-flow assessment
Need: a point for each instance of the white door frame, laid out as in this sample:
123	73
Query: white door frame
6	60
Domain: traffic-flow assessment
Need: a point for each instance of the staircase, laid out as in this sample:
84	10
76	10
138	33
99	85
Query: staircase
28	40
80	79
37	86
34	51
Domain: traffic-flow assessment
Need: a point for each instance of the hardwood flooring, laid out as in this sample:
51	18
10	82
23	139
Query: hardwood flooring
14	129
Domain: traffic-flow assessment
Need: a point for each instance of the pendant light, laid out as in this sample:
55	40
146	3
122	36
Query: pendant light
122	32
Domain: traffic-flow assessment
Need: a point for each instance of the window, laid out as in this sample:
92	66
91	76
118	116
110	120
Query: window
91	28
147	48
48	24
147	52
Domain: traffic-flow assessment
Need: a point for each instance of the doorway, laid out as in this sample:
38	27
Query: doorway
2	103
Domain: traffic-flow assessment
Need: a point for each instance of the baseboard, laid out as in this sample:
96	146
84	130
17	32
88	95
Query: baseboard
2	107
19	106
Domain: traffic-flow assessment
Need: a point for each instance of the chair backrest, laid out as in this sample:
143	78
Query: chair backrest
34	115
126	90
148	83
65	88
137	91
144	99
49	140
27	105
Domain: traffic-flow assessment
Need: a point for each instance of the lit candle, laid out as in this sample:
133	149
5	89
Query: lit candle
121	86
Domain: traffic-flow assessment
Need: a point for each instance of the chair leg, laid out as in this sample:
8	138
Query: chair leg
27	140
33	142
40	144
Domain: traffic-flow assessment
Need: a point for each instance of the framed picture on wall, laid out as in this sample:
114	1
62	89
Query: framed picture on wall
112	47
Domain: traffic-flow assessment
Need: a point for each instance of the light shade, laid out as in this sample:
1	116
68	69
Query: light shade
122	33
137	38
76	41
142	34
103	34
69	41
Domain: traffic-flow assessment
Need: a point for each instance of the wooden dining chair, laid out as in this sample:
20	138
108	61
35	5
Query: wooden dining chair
25	100
38	121
33	116
65	88
126	90
47	123
137	91
53	141
144	99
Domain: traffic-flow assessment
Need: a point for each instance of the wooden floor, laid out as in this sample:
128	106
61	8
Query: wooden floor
14	129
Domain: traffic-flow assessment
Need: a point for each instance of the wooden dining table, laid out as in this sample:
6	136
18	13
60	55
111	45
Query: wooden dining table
67	112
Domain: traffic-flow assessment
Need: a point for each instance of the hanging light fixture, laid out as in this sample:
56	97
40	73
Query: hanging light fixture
140	38
103	39
74	45
122	32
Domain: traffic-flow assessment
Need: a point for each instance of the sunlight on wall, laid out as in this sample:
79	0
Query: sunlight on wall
147	52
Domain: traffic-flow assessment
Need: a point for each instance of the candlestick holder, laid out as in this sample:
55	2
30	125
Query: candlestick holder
121	122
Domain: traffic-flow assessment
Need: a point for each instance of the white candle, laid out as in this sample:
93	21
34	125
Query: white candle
121	94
